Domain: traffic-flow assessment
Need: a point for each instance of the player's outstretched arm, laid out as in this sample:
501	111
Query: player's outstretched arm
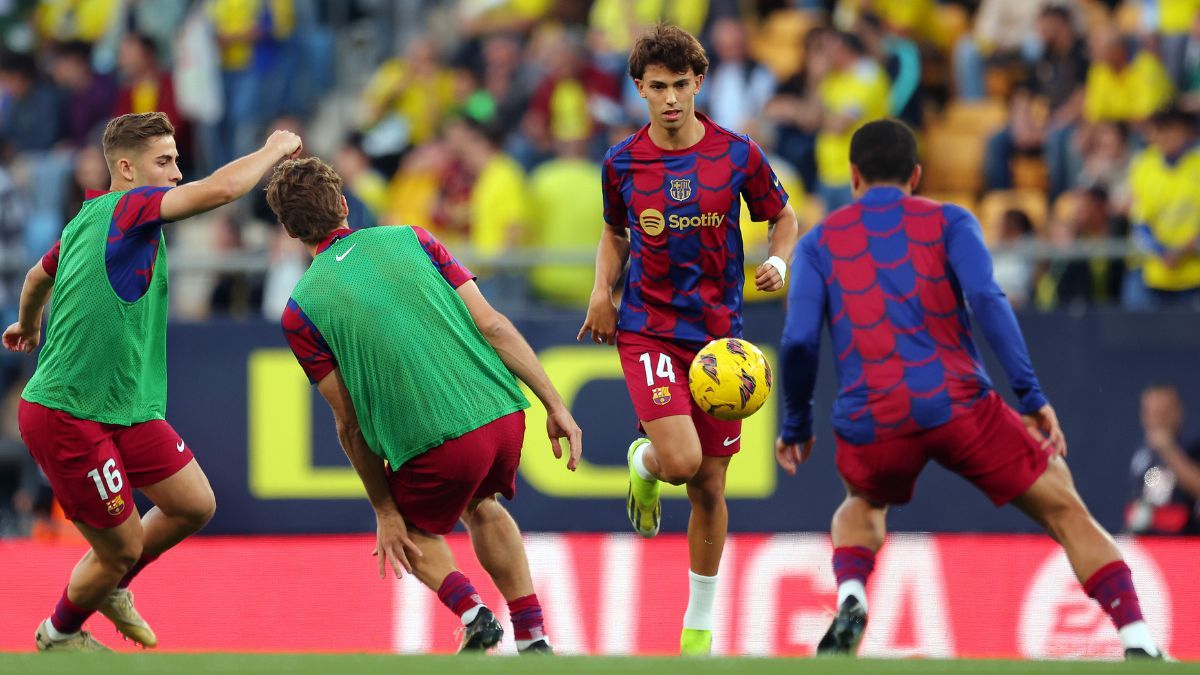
26	333
392	542
519	357
610	262
800	349
783	231
229	182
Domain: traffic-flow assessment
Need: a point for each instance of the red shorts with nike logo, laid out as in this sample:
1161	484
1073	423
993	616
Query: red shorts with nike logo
434	488
987	444
656	373
93	467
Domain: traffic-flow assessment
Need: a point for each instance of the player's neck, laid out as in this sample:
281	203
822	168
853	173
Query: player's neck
677	139
903	187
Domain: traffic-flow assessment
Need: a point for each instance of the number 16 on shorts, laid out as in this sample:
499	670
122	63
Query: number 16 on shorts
109	483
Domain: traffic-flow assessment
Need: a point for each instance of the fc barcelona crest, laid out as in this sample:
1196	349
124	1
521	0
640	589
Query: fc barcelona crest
661	395
681	189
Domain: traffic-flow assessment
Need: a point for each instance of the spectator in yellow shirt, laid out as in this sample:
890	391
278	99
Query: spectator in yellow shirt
566	211
854	92
409	97
498	211
1120	89
1165	214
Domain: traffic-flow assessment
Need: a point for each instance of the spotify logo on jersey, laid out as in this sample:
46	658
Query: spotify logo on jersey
651	221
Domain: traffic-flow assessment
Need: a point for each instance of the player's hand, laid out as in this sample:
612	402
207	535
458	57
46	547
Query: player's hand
559	425
20	339
1043	426
792	455
286	143
392	544
766	278
601	320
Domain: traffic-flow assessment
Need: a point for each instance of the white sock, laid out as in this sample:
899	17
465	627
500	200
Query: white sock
701	592
469	615
852	588
53	633
1137	634
639	462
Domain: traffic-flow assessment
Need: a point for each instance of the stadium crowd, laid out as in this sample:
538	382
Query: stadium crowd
1069	127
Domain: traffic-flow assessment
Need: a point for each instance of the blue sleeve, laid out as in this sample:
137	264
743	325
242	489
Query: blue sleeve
801	344
1143	238
972	266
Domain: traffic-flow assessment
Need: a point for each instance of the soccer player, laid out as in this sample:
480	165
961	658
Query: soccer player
418	369
92	415
893	275
672	210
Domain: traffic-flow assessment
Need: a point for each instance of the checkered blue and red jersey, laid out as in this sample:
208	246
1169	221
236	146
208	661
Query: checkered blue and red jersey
133	237
311	349
683	213
893	276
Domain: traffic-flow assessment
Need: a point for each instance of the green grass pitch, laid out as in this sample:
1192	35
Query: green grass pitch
313	664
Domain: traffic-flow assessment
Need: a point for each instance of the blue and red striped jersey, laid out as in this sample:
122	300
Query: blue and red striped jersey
683	213
311	349
893	276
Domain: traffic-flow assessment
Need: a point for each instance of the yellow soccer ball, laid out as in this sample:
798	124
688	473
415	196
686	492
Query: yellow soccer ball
730	379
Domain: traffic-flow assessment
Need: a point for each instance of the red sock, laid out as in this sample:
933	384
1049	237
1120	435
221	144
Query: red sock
457	593
526	615
1112	587
68	617
146	559
853	562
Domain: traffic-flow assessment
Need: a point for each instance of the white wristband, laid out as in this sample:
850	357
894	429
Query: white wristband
780	266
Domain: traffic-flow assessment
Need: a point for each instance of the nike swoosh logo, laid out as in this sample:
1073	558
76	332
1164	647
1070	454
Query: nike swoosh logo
180	446
341	257
730	441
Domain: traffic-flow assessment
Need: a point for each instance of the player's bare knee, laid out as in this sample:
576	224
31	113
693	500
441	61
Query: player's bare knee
678	469
480	512
122	557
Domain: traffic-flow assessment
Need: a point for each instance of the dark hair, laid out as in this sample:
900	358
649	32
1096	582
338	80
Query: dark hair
884	151
306	196
132	132
670	47
1058	12
1018	219
851	41
1173	115
20	63
1097	193
75	49
485	131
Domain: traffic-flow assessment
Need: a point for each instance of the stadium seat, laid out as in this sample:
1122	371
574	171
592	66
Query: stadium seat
978	117
953	160
995	203
955	23
1029	173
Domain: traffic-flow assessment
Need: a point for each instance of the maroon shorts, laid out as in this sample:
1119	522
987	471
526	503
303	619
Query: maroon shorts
656	373
93	467
433	489
987	444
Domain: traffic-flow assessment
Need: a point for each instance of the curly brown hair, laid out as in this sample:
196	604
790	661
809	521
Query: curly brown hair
306	196
669	46
133	132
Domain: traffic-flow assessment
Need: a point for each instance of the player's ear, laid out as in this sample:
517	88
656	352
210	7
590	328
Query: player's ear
915	179
699	81
124	169
640	84
856	180
345	207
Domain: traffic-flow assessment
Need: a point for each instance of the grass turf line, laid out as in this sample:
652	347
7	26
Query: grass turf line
347	664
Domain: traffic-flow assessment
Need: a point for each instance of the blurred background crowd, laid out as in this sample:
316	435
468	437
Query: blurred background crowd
1069	127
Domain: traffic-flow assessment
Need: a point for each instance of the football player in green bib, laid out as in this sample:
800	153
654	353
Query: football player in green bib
419	371
93	413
